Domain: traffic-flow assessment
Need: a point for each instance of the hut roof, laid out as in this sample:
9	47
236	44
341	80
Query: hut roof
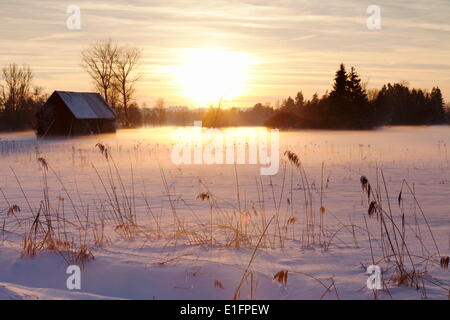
86	105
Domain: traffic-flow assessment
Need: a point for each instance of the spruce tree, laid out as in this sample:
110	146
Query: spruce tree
299	100
289	104
337	109
356	91
359	109
340	84
437	105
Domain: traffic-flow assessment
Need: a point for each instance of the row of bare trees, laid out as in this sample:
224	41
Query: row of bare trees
16	86
113	69
19	99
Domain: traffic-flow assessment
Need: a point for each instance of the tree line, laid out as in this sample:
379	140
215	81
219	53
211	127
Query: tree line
112	68
19	98
114	71
350	105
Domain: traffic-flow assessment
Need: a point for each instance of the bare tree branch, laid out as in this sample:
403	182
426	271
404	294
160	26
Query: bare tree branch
17	85
127	62
98	60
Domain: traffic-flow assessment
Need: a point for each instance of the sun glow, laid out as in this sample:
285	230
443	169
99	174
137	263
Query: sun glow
206	76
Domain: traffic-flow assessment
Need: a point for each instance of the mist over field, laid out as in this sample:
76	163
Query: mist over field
144	228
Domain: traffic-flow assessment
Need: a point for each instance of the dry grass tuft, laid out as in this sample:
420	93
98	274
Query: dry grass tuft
404	270
292	220
204	196
43	163
365	185
293	158
81	255
444	262
373	208
218	285
13	210
281	277
103	150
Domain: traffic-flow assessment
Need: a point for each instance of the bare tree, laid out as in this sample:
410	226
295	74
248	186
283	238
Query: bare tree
114	97
3	95
17	86
98	60
124	75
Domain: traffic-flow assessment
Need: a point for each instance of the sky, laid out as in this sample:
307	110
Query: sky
283	46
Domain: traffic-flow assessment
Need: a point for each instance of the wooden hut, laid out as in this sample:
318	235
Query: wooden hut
75	113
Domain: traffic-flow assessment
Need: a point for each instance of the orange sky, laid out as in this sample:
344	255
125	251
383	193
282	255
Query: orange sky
280	47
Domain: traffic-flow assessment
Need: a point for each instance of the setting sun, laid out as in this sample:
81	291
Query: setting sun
207	75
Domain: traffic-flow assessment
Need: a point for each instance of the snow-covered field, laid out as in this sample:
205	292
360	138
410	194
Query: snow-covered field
142	227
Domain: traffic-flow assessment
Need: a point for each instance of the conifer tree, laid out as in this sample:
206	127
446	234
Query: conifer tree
337	110
340	84
299	100
437	105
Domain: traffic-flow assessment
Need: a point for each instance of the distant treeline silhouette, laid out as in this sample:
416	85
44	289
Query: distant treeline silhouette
19	100
349	105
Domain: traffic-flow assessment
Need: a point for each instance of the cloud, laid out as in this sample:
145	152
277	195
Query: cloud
298	43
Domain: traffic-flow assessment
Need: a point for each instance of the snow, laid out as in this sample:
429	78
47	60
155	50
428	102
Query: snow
85	105
169	267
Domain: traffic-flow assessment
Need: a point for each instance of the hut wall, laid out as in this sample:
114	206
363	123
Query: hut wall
54	118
